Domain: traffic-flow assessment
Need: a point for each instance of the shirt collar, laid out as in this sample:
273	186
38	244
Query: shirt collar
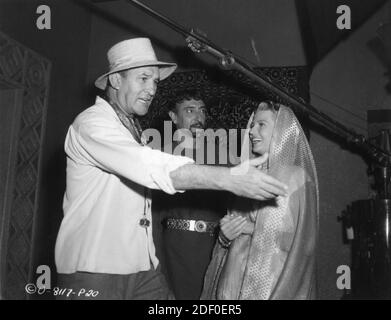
105	105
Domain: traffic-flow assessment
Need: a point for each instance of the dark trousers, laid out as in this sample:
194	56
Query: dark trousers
144	285
186	257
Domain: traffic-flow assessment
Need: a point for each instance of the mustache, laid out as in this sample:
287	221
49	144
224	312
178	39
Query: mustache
197	125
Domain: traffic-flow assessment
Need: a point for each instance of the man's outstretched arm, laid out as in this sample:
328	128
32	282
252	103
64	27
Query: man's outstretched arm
250	183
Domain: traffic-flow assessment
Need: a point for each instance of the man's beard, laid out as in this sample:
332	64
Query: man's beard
196	127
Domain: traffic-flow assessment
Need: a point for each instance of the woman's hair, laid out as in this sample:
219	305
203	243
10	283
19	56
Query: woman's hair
268	105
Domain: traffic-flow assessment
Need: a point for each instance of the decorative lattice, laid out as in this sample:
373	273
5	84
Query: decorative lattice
22	68
231	96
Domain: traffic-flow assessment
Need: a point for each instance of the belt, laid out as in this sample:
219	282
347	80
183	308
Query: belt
191	225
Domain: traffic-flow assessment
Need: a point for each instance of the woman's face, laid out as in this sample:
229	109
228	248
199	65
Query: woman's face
261	130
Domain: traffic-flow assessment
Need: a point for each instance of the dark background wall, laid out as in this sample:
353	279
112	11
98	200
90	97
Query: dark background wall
318	23
271	25
352	76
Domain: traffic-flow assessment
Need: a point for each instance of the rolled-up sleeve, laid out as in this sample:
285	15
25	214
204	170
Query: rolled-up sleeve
104	144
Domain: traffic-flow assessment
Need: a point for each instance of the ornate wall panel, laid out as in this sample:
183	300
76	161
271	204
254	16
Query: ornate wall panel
231	97
22	68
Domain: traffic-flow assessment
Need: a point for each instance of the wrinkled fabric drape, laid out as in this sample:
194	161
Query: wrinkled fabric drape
276	261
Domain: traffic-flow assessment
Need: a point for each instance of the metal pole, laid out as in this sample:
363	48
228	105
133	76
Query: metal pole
228	60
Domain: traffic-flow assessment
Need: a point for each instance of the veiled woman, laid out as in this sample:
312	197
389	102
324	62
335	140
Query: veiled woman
273	247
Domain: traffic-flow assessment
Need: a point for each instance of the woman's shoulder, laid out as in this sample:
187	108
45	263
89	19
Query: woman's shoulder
294	176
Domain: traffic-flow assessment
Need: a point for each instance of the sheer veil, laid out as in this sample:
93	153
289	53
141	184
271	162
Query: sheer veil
278	260
284	241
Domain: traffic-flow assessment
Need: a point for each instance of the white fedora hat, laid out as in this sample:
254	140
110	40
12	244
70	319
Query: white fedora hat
133	53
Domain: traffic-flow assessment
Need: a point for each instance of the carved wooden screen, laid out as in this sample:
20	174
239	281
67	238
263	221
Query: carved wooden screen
24	70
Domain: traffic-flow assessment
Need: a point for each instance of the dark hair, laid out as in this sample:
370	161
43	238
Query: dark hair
180	96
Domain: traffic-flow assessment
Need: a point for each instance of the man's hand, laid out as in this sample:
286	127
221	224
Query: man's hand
248	181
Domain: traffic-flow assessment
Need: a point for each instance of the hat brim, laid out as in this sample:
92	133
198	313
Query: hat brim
165	70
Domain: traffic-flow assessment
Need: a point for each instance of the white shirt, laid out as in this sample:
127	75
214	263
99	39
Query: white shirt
105	197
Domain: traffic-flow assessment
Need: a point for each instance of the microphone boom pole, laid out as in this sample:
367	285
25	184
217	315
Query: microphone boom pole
227	60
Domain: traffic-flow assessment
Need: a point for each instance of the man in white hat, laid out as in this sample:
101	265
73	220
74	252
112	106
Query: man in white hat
104	248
